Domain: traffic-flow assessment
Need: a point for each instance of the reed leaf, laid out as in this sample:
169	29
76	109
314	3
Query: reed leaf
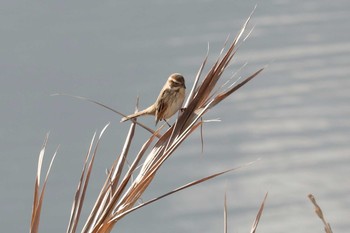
258	216
39	194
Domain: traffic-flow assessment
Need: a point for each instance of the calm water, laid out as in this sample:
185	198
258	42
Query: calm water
295	116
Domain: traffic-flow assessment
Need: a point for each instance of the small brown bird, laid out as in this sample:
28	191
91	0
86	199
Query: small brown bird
169	101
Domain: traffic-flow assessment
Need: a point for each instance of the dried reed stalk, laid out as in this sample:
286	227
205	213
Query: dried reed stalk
318	211
119	194
39	194
256	220
258	216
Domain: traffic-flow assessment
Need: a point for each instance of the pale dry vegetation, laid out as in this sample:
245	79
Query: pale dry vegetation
126	182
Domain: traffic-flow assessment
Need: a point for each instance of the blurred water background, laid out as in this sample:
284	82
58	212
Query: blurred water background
295	116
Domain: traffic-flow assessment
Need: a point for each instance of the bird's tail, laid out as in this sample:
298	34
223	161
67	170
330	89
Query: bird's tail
148	111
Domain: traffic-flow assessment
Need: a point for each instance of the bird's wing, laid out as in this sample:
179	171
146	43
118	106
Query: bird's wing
162	104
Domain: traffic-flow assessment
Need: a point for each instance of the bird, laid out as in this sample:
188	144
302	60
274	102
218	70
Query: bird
169	101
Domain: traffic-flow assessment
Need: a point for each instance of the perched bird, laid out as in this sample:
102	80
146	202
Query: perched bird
169	101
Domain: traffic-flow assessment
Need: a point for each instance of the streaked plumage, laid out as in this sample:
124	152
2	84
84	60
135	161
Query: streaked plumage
169	101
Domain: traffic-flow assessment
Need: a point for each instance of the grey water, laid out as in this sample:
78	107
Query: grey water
294	118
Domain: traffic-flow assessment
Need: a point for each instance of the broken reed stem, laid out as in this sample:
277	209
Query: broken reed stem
318	211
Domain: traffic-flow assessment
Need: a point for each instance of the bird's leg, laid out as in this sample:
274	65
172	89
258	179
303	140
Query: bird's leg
167	123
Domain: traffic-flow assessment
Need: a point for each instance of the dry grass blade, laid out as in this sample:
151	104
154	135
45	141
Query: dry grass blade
110	183
73	221
223	95
257	218
196	80
202	97
318	211
35	209
225	214
116	196
193	183
39	195
83	183
109	108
